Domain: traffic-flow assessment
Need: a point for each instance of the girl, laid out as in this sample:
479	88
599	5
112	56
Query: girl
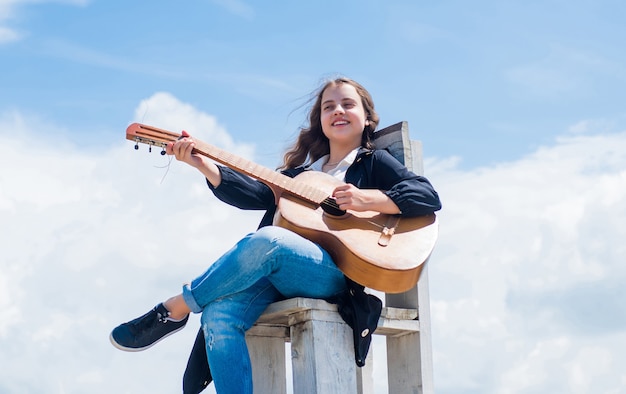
273	263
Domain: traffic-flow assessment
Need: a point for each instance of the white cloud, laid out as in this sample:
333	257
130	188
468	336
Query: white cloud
169	113
92	238
9	8
591	126
8	35
529	270
564	72
236	7
526	281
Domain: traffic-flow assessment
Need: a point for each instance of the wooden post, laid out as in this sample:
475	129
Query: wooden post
322	354
409	357
267	353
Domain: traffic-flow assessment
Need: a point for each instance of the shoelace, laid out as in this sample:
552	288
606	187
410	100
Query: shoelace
146	323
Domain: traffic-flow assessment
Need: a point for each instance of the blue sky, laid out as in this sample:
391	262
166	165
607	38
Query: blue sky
484	81
519	105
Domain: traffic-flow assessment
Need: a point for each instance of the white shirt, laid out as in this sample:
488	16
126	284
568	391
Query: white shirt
339	171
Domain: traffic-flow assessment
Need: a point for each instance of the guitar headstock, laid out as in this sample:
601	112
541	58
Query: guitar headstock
149	135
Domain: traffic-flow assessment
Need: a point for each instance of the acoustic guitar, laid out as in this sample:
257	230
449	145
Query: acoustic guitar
380	251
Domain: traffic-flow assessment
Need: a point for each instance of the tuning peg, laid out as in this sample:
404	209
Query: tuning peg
150	149
163	152
136	146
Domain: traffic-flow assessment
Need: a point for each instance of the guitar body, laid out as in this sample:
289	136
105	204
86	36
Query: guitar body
354	239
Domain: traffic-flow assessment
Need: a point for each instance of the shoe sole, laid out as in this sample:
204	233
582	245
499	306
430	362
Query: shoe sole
139	349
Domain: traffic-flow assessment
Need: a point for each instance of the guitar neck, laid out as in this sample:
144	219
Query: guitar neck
275	180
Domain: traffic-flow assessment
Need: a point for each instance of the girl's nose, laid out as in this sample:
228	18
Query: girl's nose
339	109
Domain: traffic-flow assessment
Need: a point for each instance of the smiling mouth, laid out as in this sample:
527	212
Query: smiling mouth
340	123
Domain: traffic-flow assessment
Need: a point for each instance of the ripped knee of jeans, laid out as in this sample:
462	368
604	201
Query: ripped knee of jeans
209	337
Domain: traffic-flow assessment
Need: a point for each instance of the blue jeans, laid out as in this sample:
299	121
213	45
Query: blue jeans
266	266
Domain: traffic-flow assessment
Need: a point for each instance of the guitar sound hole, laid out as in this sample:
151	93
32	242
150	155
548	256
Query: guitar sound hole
330	206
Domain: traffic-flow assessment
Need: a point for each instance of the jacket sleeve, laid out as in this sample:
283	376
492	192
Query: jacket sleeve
413	194
243	192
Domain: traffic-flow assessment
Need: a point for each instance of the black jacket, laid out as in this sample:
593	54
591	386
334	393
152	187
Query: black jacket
372	169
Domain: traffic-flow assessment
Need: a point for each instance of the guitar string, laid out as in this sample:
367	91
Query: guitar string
167	169
169	159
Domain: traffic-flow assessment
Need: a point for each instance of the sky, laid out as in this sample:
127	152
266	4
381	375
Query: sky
519	106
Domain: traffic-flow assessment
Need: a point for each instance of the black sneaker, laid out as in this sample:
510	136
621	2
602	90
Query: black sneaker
144	331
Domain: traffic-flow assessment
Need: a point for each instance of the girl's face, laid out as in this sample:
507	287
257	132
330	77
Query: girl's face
343	117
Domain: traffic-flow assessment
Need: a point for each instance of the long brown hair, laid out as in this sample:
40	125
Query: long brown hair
311	143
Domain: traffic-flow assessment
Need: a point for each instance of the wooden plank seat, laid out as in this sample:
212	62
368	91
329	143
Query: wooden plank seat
281	315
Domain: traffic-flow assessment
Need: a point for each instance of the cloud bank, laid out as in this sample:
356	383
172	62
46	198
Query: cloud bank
526	280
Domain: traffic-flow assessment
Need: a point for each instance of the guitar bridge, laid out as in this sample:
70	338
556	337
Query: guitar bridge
389	229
